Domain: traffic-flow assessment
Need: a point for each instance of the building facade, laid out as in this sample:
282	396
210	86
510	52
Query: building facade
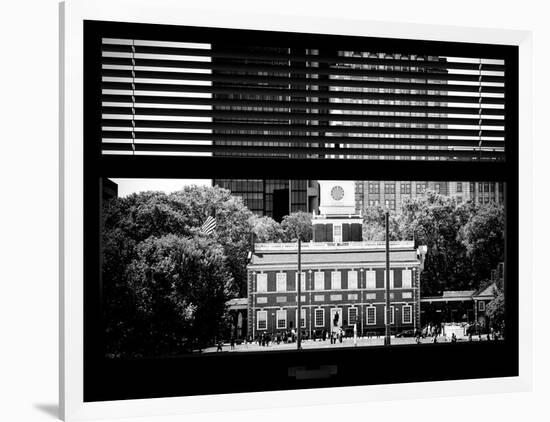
392	194
345	282
342	283
274	198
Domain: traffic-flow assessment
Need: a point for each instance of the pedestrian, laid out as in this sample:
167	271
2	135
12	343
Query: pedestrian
232	343
453	338
219	349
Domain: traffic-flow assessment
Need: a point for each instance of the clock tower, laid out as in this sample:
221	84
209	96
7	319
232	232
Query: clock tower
337	221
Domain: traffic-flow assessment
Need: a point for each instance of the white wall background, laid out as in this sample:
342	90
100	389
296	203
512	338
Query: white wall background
29	208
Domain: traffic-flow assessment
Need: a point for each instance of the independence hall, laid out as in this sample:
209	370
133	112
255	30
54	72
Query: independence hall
342	278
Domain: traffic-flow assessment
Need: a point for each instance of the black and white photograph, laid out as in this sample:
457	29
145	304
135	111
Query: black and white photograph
293	205
213	266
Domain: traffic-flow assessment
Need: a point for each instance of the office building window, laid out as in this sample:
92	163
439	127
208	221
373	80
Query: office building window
319	317
406	279
281	282
280	299
336	280
371	315
407	314
406	188
318	298
481	305
459	187
370	296
261	282
390	203
281	319
261	317
389	188
420	188
374	202
353	296
352	279
374	188
320	280
352	316
437	188
406	295
261	300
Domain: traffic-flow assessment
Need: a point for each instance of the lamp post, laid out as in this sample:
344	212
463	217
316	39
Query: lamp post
388	309
299	298
310	307
361	291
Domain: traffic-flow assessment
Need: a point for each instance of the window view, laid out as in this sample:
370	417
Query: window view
188	267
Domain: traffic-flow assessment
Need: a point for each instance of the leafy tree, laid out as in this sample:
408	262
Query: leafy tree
483	237
374	224
139	216
180	286
435	220
297	225
132	228
266	229
496	309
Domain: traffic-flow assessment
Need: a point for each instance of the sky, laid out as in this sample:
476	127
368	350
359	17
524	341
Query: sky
129	186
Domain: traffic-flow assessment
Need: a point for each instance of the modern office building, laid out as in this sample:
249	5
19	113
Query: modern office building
274	198
342	282
391	194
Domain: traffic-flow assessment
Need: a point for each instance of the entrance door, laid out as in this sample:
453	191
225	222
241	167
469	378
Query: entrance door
335	319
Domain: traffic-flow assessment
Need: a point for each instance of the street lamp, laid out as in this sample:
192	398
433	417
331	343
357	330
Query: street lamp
388	309
361	292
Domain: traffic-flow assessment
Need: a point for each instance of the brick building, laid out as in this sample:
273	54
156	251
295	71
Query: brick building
342	282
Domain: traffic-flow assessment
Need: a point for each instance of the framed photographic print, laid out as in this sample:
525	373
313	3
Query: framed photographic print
253	206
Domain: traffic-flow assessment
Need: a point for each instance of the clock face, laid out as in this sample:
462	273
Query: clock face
337	193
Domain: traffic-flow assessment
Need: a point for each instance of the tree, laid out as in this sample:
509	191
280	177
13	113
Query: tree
483	238
137	225
180	287
266	229
435	220
139	216
495	309
297	226
374	224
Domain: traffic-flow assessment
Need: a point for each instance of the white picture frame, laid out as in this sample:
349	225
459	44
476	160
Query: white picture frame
72	15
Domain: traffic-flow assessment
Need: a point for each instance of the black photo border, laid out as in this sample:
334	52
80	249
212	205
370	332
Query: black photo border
120	379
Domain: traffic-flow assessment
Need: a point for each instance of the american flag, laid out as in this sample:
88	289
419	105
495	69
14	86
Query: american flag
209	225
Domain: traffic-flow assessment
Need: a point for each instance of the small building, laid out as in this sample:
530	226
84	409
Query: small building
462	306
342	282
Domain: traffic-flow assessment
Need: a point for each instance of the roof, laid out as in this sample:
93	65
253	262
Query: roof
486	291
363	253
458	293
237	303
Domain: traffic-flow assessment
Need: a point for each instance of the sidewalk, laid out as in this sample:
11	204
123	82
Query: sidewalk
347	342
